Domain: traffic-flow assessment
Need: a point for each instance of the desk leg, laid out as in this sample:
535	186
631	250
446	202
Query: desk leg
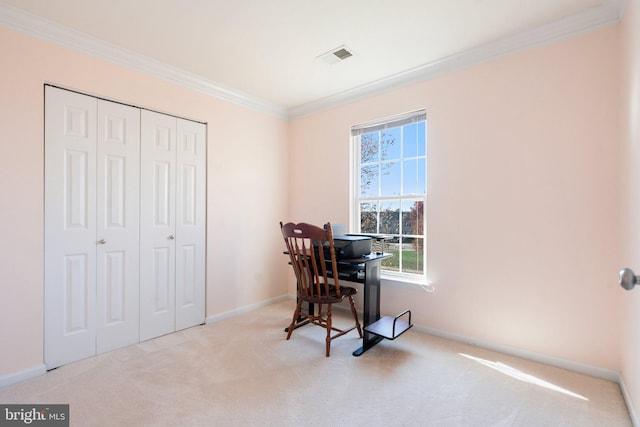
371	305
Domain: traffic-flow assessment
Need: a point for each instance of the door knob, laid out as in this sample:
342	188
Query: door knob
627	278
102	241
171	237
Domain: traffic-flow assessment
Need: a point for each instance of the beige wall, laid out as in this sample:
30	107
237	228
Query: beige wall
630	200
247	171
522	204
522	207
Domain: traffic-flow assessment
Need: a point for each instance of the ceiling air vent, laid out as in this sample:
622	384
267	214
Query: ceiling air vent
342	53
336	55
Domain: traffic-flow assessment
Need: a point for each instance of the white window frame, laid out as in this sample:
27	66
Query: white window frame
354	226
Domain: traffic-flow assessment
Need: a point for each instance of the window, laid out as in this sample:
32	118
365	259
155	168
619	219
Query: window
390	188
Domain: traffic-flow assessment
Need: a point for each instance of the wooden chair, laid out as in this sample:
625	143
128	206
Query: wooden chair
311	252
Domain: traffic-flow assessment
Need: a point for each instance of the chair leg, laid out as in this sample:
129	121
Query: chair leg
355	315
296	313
328	345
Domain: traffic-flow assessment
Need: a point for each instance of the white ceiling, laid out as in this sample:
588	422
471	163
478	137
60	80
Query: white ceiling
265	52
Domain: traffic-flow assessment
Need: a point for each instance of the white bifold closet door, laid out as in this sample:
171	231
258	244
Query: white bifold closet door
172	233
125	212
91	226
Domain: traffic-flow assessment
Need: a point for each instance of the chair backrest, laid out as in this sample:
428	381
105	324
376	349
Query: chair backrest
306	245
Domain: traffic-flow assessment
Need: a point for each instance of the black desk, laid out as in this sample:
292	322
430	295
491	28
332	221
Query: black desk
365	270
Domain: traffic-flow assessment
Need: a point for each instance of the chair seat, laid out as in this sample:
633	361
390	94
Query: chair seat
332	297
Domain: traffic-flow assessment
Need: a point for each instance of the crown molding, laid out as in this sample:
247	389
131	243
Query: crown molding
18	20
609	12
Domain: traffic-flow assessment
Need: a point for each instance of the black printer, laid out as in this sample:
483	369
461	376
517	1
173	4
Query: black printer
350	246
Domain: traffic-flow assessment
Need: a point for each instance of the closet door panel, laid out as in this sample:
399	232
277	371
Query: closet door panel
190	223
70	227
118	233
157	224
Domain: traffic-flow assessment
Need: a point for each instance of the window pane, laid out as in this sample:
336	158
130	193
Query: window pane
392	263
390	144
412	217
413	255
414	181
368	217
369	181
410	140
390	217
369	147
390	179
422	137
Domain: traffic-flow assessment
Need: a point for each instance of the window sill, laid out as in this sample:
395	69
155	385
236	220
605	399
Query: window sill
406	283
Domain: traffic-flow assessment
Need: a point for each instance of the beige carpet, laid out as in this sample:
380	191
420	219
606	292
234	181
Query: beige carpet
242	372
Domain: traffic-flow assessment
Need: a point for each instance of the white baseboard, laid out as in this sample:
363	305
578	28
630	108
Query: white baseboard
570	365
629	402
23	375
245	309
